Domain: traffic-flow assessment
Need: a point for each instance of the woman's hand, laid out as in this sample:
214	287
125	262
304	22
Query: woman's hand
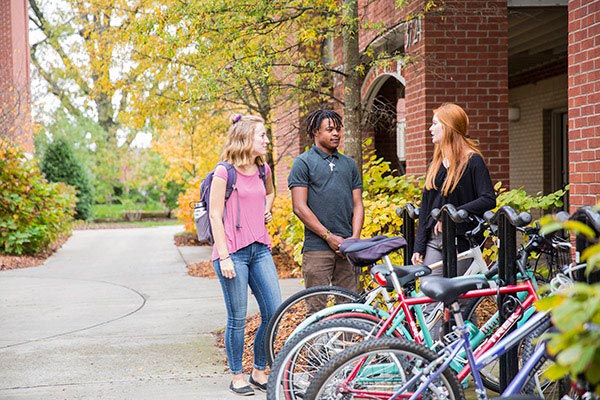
268	216
227	268
417	258
437	229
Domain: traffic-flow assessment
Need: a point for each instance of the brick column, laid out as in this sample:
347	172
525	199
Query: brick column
584	102
459	53
15	117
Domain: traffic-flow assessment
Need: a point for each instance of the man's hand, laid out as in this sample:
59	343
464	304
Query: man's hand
334	242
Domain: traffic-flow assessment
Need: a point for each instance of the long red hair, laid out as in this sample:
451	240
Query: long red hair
455	146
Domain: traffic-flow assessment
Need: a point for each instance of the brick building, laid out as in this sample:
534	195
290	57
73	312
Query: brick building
15	117
526	71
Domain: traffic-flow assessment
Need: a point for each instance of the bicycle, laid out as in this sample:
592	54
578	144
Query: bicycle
292	368
392	368
295	305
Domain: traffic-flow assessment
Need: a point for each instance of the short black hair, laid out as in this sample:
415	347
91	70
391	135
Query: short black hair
313	122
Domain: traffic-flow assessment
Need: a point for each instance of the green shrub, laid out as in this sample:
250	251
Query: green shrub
575	345
61	165
33	212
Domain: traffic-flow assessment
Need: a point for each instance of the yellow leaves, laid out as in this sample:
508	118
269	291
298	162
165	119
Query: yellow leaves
191	142
308	36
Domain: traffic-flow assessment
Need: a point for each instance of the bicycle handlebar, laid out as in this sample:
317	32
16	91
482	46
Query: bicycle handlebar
457	216
515	219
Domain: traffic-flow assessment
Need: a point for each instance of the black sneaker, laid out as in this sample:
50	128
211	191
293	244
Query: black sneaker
242	391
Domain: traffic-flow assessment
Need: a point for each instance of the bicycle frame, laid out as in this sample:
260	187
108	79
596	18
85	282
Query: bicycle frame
500	348
462	347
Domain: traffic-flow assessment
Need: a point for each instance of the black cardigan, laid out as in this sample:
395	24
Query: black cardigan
474	193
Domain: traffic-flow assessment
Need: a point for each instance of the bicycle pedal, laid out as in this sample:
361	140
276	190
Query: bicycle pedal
450	337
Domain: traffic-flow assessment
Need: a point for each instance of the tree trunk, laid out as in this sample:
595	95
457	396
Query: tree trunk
352	83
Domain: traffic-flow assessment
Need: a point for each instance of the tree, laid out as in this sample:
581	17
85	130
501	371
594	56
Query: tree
61	165
83	59
276	50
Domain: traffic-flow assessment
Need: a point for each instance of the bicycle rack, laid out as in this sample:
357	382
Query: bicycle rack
409	215
590	217
507	220
449	216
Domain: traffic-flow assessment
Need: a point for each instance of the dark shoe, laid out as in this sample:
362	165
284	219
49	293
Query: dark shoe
242	391
260	386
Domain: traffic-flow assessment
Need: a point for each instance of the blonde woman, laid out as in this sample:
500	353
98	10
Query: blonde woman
241	252
457	175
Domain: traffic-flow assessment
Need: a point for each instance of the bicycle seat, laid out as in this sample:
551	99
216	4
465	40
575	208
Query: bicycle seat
363	252
406	274
448	290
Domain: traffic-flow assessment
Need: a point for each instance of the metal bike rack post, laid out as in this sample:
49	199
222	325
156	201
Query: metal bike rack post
449	217
507	220
409	215
588	216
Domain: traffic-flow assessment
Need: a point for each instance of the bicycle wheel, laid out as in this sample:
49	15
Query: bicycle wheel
306	352
537	384
293	311
378	368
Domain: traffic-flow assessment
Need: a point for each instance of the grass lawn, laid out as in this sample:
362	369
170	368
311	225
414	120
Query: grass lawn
115	212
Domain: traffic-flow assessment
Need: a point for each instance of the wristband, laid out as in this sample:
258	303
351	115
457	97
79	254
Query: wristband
326	234
223	259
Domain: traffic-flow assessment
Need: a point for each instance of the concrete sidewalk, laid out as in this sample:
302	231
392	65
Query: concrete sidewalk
114	315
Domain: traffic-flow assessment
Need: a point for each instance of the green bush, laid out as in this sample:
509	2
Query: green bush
61	165
33	212
575	345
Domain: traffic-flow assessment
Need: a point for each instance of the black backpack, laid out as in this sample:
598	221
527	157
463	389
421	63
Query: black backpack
201	212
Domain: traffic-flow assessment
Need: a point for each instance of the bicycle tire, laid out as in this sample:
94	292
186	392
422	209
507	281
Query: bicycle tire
291	306
306	352
385	365
536	384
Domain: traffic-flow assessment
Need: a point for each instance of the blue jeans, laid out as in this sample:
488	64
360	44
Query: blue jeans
254	267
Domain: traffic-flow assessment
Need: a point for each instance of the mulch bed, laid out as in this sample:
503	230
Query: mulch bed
15	262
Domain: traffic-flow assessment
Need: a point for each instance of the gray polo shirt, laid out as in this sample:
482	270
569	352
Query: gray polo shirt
329	192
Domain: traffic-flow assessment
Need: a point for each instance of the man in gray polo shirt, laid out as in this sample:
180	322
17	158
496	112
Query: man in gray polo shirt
327	197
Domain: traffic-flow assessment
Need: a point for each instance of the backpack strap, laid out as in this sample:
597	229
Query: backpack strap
262	173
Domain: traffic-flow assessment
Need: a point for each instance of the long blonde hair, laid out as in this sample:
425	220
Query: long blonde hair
239	146
455	146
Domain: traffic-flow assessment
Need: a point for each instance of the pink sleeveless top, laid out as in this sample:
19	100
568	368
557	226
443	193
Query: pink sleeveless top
252	197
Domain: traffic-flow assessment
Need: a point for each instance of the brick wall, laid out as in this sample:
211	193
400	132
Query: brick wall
381	11
461	56
14	73
584	102
526	139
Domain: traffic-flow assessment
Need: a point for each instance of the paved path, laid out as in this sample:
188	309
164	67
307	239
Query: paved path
114	315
